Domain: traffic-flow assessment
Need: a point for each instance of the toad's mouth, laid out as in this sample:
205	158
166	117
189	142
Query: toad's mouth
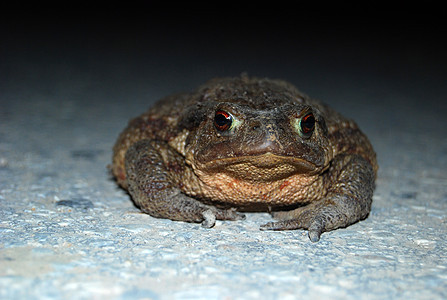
264	167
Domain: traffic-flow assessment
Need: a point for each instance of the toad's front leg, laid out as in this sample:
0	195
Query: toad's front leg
350	185
154	174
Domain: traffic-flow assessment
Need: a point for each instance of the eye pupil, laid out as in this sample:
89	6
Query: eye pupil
222	120
307	124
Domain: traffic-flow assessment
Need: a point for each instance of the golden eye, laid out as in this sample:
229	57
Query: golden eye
307	125
223	120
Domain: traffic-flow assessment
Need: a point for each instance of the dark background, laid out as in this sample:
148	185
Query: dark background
361	56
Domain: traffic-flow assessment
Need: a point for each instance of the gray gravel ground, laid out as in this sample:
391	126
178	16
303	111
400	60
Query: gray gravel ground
68	232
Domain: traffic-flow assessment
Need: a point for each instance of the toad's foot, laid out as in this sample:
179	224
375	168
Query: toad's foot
316	218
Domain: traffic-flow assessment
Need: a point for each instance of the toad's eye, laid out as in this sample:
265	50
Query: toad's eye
223	121
307	125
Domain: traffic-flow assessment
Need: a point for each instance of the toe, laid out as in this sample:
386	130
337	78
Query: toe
282	225
314	236
316	228
209	219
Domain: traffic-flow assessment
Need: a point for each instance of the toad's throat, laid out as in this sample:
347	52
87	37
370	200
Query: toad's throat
259	168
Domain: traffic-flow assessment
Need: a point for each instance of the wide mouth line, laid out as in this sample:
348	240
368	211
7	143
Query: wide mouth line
264	160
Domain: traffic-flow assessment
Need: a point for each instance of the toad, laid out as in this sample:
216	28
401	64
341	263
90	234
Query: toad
247	144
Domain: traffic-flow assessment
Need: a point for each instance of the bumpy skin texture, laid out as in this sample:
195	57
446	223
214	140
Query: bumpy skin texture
247	144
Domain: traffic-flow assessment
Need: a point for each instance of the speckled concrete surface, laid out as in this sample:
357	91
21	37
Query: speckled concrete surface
67	231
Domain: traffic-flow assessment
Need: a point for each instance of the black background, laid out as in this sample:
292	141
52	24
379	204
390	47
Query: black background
324	51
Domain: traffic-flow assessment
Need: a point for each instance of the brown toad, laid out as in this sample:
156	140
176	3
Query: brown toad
247	144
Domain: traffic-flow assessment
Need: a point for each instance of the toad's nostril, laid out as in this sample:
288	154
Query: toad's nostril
256	125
